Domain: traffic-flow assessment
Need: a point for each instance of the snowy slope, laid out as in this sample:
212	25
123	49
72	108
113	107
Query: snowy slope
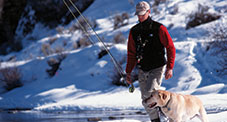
84	81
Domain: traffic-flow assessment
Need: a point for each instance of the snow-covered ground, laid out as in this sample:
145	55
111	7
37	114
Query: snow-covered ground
84	81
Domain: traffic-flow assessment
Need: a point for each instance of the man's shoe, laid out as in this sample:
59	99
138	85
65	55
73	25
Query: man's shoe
155	120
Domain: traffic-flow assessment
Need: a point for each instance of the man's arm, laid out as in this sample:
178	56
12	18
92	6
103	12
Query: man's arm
131	57
166	40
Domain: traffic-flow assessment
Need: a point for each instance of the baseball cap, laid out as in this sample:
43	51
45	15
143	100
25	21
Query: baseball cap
142	7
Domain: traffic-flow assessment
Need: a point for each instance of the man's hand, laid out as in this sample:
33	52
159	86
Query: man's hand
168	74
128	78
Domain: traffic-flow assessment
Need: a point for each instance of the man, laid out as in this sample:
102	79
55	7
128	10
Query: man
146	48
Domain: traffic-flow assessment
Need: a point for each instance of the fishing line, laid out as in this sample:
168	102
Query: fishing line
81	26
116	64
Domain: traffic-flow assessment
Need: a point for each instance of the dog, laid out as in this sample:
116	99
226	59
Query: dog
177	107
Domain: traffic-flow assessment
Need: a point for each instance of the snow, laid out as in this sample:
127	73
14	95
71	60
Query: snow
84	81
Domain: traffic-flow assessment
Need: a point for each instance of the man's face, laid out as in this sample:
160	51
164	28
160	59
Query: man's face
142	18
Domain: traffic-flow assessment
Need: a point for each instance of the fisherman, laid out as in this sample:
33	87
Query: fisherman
147	43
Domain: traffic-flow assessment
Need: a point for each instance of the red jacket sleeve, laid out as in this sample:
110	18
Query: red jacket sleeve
166	40
131	54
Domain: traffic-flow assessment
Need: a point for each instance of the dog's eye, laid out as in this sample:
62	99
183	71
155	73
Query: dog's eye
151	95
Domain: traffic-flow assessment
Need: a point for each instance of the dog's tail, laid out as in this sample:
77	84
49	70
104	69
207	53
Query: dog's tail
203	115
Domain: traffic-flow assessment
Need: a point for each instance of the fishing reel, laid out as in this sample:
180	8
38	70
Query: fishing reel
131	86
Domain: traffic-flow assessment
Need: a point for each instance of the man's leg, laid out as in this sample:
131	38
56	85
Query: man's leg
148	81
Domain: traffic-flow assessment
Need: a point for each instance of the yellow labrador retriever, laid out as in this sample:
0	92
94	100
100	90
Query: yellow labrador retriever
177	107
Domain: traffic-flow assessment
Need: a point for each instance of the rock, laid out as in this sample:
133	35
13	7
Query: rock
94	119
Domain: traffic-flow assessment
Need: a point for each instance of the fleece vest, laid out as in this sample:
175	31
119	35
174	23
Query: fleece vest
150	52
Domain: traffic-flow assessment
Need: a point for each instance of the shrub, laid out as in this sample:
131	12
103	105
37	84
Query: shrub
119	38
55	63
117	77
74	27
76	45
201	16
64	43
59	50
218	32
125	18
221	54
117	21
156	4
11	77
82	25
155	9
218	36
52	40
84	42
46	49
120	20
174	10
61	56
60	29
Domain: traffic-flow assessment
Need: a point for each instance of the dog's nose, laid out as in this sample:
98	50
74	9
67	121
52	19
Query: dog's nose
145	101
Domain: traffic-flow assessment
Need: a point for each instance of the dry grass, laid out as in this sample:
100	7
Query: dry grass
85	27
59	50
46	49
55	63
52	40
120	20
60	29
11	77
200	17
155	5
119	38
84	41
218	44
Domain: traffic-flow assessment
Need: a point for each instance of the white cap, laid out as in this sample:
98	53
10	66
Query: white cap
142	7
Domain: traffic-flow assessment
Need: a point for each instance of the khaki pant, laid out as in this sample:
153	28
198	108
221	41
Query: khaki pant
148	81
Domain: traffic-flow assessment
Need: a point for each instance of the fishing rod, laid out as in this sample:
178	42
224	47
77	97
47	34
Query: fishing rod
116	64
81	26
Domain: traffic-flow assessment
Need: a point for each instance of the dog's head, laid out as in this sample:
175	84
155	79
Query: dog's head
158	98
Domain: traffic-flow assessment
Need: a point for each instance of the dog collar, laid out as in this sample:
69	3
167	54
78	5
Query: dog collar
166	106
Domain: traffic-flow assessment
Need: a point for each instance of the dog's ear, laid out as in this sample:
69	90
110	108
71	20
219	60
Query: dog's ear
162	96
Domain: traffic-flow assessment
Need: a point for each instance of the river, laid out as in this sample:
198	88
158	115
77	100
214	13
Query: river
72	116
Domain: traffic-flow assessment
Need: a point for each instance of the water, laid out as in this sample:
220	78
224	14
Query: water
72	116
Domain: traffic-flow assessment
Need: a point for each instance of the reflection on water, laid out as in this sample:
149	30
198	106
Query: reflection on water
71	116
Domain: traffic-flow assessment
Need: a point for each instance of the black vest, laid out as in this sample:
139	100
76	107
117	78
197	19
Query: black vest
150	52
